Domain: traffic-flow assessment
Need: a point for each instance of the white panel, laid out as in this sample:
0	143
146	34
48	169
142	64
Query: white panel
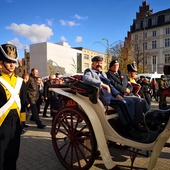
63	57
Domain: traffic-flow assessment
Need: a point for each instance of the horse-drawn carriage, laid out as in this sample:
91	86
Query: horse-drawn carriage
84	126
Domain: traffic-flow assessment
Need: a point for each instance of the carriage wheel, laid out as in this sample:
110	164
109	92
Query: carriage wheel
73	139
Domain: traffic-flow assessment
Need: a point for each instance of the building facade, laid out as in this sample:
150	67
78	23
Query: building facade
24	64
84	59
150	39
50	58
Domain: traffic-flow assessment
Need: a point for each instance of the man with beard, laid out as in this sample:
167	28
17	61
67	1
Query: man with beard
94	76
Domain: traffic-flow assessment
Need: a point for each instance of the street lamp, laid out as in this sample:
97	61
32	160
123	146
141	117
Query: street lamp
146	14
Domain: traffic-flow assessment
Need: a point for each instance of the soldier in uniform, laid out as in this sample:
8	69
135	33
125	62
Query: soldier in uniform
12	107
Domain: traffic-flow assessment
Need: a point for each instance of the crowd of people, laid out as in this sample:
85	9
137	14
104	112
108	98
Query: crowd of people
148	89
21	96
157	89
39	95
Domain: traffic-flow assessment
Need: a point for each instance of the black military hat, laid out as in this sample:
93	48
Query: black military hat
8	52
131	67
148	77
97	58
112	63
142	76
163	76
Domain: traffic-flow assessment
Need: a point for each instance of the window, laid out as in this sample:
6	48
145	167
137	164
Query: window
145	23
154	33
167	58
154	21
145	46
86	56
167	18
145	35
167	31
153	44
136	47
136	37
167	42
154	60
137	25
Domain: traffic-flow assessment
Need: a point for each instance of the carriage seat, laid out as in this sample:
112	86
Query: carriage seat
90	91
77	85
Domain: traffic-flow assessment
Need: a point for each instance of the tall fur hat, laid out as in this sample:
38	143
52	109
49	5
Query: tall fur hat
8	52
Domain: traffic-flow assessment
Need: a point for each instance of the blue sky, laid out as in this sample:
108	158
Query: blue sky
81	23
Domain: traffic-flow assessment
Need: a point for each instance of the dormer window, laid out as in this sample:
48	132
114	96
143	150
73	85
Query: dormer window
167	17
145	23
154	21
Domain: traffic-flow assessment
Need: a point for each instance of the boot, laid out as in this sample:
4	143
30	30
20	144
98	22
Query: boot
40	125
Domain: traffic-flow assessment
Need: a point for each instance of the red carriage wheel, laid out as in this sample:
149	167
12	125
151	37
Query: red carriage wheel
73	139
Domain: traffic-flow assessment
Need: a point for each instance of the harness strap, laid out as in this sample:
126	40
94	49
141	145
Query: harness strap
14	95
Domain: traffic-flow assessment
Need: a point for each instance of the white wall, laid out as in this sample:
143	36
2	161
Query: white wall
38	58
62	56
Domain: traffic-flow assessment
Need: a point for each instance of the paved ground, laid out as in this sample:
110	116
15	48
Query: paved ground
37	153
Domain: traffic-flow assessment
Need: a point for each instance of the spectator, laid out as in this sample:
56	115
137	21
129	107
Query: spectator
163	87
25	77
146	90
47	94
41	93
154	88
33	95
12	104
140	80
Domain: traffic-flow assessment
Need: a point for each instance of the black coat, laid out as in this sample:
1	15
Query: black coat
47	93
32	90
120	81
